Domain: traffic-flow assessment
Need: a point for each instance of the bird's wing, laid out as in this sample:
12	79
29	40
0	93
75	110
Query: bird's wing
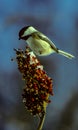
39	35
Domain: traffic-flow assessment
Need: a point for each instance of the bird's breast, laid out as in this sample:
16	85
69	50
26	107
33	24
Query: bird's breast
40	47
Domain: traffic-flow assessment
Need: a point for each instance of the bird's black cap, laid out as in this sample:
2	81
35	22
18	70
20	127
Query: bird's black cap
21	32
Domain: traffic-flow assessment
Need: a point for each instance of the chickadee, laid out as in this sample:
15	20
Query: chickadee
40	44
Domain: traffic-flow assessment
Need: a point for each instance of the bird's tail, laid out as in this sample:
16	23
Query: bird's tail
65	54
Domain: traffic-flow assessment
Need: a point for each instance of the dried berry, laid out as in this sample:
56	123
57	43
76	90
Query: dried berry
38	84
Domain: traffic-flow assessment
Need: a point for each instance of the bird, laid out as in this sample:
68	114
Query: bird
39	43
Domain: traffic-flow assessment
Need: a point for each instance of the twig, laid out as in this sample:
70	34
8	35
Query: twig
42	118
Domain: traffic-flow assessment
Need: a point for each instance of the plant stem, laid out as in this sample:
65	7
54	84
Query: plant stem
42	118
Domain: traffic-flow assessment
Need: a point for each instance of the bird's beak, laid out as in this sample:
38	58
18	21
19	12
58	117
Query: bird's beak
19	38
